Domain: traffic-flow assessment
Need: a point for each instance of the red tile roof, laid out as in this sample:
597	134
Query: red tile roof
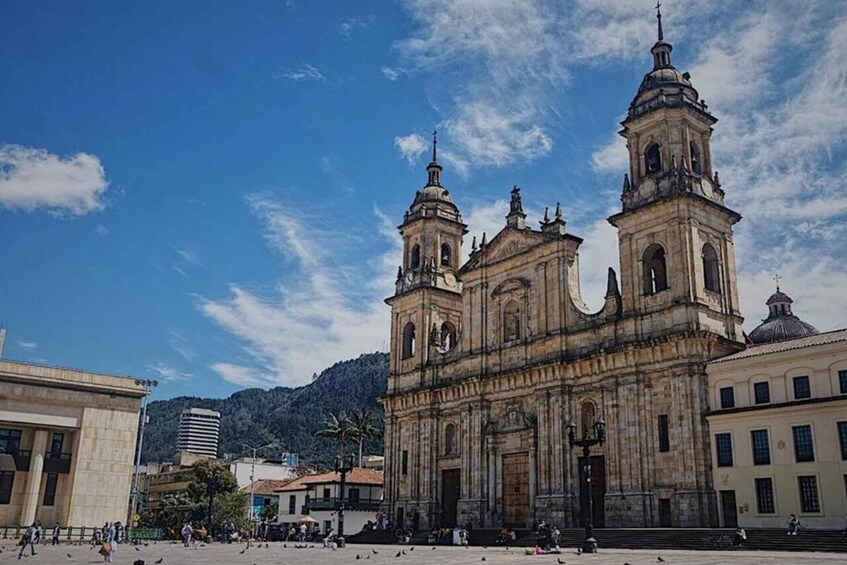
354	477
266	486
787	345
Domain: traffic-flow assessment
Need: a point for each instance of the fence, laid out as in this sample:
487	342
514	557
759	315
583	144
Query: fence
77	534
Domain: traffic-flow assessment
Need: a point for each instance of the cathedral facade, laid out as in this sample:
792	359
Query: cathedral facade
492	359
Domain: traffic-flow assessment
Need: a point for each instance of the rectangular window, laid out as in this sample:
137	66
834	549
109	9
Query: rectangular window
762	393
764	496
10	440
353	495
664	435
804	449
801	388
723	442
809	501
292	504
842	381
57	444
50	489
842	437
7	479
404	462
761	448
326	493
728	397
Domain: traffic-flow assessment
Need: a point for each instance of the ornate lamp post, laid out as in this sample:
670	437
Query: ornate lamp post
342	466
590	544
148	386
212	488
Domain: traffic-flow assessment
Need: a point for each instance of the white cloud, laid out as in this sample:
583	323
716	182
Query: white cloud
168	373
306	72
598	252
392	73
101	230
33	178
350	25
411	146
612	157
189	256
321	314
27	344
180	344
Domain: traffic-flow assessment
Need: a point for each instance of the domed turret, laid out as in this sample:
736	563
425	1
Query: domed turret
433	191
781	323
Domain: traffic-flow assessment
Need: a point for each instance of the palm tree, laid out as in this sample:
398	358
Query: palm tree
339	428
362	423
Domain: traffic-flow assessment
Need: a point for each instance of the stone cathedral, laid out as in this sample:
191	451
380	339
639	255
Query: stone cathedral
491	359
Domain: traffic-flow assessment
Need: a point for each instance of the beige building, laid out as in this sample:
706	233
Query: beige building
492	358
779	425
67	442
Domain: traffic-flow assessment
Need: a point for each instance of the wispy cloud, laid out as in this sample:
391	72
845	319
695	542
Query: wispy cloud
306	72
189	256
350	25
27	344
411	146
322	313
168	373
33	178
101	230
181	345
392	73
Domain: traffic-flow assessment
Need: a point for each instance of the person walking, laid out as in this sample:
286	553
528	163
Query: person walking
29	540
111	540
56	530
302	537
187	531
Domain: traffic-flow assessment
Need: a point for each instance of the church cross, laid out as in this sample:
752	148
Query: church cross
777	278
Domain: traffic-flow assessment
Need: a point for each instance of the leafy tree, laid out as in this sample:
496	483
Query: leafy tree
198	488
269	512
362	423
339	428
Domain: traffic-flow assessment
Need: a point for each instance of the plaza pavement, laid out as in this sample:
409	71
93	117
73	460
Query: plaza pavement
276	554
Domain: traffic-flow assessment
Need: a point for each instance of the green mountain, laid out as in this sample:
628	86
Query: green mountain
289	416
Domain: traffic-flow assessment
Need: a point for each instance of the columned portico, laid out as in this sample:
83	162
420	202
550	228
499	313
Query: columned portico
33	483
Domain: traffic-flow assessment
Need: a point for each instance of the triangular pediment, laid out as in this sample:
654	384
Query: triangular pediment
508	243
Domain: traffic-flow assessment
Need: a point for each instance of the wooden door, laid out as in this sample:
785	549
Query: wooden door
450	492
598	490
516	489
665	516
730	511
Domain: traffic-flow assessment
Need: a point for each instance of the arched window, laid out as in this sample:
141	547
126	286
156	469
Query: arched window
512	321
696	163
415	257
448	336
711	279
653	159
446	255
409	341
655	270
450	439
588	415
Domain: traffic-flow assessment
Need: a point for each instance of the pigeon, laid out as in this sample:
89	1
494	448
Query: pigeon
266	546
660	560
242	551
483	559
285	546
160	560
358	556
404	552
412	548
375	551
69	556
136	548
560	562
398	554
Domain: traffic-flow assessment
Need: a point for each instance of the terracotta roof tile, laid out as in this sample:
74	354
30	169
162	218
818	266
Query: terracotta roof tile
787	345
354	477
266	486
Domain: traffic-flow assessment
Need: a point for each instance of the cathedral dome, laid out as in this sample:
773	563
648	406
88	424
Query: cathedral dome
781	323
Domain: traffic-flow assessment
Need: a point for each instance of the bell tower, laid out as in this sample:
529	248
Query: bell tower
427	303
674	230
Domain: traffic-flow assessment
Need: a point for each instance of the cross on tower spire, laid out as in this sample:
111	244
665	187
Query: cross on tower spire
777	278
434	145
659	18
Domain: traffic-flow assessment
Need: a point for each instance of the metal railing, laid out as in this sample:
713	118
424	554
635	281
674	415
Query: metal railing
76	533
349	504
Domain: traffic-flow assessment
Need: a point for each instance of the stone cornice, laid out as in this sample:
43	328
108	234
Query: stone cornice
69	379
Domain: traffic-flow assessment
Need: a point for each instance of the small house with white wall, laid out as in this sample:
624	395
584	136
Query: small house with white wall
318	496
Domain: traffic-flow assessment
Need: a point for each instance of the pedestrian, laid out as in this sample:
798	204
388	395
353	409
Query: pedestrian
302	537
739	538
29	540
111	540
187	531
793	525
56	529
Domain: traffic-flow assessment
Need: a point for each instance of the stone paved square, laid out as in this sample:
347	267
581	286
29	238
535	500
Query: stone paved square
276	554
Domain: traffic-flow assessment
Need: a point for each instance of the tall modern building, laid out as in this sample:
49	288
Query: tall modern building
199	431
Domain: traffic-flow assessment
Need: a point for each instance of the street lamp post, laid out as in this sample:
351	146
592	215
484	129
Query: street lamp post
342	466
250	506
148	385
212	487
590	544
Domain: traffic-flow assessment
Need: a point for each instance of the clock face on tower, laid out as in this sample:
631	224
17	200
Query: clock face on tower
410	278
450	280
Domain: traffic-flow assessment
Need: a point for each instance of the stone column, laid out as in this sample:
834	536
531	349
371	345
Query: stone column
33	482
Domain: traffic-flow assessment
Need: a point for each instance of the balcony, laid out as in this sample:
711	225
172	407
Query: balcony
364	504
57	463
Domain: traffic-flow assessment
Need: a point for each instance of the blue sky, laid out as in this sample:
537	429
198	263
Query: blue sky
207	193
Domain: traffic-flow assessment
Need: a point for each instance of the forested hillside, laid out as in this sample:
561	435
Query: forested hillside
290	416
